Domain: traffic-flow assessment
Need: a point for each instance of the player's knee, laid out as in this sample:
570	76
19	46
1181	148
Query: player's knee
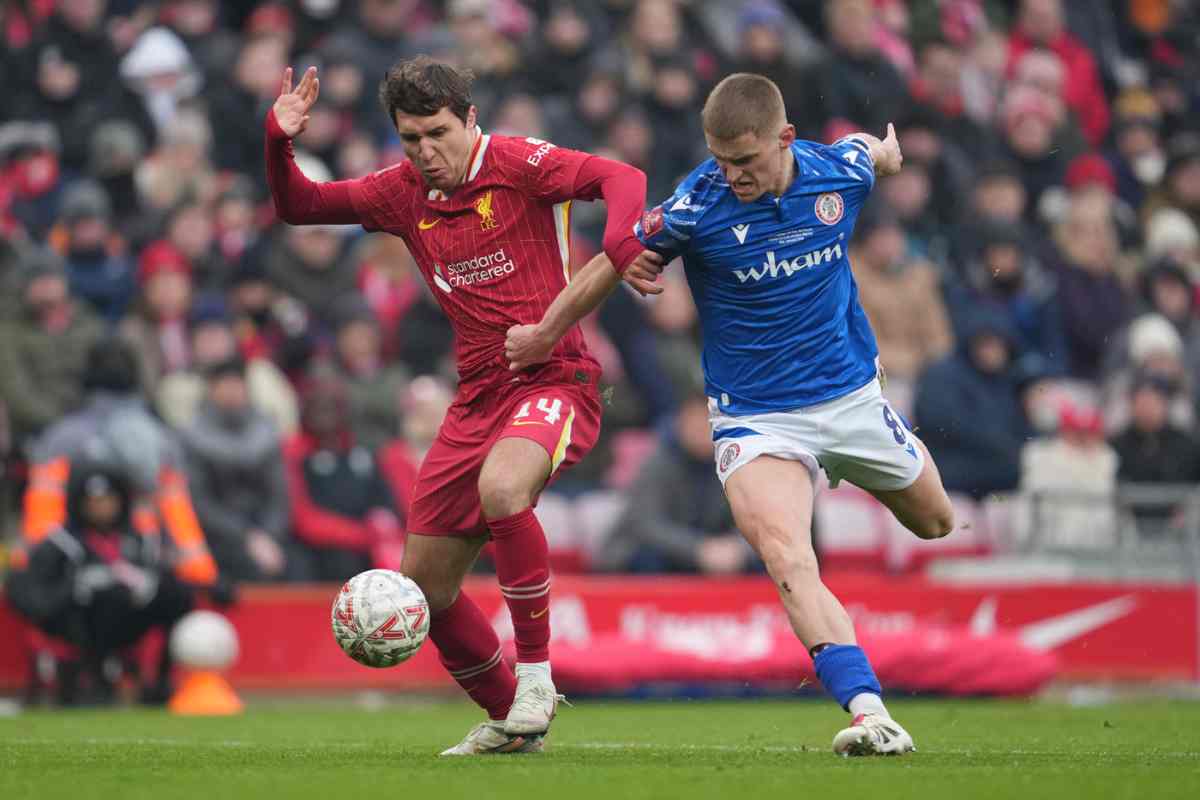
791	564
439	591
936	525
438	587
784	551
503	495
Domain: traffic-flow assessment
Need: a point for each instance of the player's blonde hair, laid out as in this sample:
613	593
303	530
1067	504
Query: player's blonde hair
744	103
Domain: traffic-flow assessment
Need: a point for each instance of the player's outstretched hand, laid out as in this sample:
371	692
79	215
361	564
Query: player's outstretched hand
527	345
292	106
642	274
892	158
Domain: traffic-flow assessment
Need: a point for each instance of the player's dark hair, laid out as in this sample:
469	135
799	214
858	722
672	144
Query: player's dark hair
422	87
743	103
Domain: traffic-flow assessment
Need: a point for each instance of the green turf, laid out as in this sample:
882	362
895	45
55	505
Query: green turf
745	750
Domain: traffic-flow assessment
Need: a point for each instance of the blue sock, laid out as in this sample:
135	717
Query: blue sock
844	671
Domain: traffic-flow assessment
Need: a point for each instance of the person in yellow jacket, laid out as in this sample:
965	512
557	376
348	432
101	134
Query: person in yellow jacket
115	424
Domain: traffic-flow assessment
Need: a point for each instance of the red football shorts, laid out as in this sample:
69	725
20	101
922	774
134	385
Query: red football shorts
563	418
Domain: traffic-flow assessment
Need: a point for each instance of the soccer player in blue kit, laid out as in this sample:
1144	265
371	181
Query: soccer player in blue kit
790	362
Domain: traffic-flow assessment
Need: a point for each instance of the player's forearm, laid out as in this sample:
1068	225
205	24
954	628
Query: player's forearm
623	188
581	296
298	200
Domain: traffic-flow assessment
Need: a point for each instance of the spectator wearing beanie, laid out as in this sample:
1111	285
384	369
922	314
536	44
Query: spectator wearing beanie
1004	277
1137	156
1168	291
30	179
1171	235
1151	345
157	327
1154	450
237	477
268	323
1180	187
97	276
114	152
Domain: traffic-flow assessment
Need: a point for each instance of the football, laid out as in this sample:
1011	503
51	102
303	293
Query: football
380	618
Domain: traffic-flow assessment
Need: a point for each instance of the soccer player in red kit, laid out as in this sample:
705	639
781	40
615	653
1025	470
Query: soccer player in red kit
487	221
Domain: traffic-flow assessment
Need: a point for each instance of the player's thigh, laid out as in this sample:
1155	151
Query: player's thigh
772	500
445	497
548	428
873	447
439	563
514	472
923	507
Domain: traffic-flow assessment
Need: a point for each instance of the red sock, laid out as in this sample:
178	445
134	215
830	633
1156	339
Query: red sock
470	651
523	569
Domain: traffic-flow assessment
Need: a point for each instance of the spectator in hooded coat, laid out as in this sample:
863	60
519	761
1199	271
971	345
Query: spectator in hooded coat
968	413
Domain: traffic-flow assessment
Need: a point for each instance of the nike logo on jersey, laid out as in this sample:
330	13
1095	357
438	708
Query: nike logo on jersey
537	614
740	232
424	225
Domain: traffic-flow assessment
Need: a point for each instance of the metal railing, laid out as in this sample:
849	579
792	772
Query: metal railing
1147	530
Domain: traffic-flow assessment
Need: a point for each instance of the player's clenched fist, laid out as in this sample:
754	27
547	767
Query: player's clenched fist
292	106
526	345
642	274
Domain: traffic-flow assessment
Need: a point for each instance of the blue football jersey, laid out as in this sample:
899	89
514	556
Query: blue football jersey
778	305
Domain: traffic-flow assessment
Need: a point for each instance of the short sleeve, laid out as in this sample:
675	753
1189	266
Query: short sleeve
667	229
847	157
546	171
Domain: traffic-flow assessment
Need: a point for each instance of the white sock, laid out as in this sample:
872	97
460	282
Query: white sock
863	703
534	669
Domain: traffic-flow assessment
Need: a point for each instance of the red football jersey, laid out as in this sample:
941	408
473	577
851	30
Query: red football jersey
495	252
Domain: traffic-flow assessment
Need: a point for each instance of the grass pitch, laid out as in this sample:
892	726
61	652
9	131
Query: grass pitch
613	751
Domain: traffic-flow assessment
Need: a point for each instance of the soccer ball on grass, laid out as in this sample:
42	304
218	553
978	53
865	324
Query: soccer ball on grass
380	618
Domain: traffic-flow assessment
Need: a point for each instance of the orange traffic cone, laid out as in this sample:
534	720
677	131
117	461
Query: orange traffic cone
205	693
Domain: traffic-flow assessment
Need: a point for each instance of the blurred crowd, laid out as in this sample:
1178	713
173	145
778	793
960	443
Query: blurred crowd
267	391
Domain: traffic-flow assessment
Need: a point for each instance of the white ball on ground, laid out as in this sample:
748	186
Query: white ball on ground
204	640
380	618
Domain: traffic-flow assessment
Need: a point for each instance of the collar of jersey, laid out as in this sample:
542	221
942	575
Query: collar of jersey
481	145
769	199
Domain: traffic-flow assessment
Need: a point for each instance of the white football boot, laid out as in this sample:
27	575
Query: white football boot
533	707
873	735
489	738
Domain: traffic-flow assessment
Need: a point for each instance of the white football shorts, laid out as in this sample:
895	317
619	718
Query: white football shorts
857	437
